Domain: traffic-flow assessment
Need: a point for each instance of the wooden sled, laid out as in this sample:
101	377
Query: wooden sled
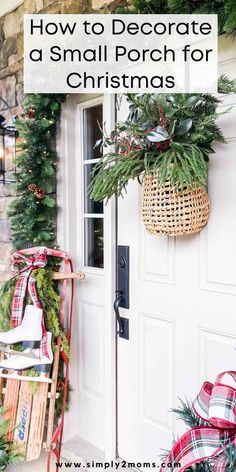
30	403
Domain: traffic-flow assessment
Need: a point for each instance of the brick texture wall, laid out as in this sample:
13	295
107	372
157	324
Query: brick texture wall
11	75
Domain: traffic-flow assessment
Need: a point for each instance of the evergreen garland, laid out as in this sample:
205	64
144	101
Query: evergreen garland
32	213
226	10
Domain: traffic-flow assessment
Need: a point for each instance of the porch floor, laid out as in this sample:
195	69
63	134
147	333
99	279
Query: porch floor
76	450
35	466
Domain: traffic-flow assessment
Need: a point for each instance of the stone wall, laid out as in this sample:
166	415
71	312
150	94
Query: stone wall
11	75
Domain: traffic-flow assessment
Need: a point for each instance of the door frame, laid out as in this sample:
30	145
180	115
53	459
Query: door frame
69	234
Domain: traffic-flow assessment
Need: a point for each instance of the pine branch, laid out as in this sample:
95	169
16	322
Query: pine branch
186	414
225	85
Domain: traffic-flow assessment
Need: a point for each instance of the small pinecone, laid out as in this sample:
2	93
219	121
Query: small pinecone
60	385
37	191
30	113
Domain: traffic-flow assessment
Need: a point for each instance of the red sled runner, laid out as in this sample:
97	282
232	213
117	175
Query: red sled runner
31	406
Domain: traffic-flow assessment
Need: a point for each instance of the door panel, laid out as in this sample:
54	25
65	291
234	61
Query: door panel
182	310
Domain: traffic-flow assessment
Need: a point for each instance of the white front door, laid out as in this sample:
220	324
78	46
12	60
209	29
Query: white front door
182	308
86	231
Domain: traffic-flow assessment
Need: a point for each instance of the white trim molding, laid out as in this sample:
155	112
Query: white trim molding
10	5
70	238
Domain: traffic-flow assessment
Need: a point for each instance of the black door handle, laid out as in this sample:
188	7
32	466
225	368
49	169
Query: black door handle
123	323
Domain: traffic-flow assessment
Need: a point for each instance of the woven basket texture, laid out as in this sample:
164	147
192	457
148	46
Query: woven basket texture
172	211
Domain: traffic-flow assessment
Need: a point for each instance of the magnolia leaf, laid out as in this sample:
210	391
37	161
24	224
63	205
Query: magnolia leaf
160	134
97	144
191	101
183	127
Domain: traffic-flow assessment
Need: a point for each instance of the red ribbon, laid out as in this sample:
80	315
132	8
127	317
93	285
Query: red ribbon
216	406
23	263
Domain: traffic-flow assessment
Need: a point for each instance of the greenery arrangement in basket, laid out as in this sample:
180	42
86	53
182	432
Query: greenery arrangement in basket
166	134
166	142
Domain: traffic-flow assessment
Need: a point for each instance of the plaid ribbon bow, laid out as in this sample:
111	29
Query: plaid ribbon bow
23	263
216	405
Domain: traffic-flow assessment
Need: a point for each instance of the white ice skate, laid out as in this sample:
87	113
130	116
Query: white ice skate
26	360
29	332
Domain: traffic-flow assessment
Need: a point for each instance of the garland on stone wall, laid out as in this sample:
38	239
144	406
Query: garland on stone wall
32	213
226	10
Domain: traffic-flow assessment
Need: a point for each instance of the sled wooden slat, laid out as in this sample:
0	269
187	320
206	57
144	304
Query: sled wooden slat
1	382
37	422
23	417
56	276
11	403
53	394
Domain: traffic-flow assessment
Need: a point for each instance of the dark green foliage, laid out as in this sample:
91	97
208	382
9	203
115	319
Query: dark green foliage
6	296
33	219
230	454
169	135
8	453
50	300
226	10
230	13
60	390
225	85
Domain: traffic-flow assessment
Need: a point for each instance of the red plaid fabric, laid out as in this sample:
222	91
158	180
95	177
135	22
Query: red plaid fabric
23	262
29	264
220	464
216	405
34	297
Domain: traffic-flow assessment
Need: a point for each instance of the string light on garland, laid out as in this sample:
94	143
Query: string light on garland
32	213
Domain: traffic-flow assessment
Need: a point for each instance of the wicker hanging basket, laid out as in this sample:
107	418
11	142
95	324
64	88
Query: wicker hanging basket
173	211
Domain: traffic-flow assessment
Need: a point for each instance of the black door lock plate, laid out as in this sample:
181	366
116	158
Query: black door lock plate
122	298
